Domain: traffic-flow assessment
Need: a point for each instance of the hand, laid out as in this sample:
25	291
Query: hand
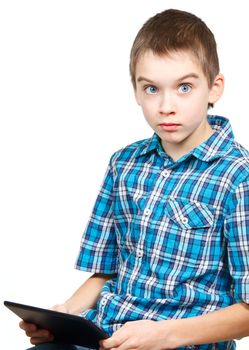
39	336
60	308
141	335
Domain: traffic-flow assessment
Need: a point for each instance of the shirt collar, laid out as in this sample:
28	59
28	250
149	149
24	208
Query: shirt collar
216	146
150	145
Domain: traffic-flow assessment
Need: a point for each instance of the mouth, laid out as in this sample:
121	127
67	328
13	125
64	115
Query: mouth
169	126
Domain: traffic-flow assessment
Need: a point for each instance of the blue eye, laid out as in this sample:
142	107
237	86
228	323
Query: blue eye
151	90
184	88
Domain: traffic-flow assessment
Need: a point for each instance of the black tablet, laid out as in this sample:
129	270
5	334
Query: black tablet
66	328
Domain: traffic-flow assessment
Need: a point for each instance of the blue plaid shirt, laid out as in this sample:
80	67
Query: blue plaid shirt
175	232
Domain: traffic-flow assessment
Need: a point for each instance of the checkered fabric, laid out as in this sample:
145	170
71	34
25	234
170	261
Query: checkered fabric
175	232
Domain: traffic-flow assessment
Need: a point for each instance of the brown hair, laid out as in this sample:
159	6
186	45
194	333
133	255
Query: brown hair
175	30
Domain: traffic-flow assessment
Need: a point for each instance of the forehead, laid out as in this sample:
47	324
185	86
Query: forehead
170	66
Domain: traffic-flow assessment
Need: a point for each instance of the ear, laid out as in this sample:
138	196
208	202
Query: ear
217	88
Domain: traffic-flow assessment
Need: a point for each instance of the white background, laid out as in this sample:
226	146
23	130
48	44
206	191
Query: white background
66	105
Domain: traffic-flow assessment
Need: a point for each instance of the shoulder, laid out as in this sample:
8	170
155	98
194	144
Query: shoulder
235	165
239	156
242	152
130	152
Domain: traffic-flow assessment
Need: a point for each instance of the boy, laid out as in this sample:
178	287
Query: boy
168	239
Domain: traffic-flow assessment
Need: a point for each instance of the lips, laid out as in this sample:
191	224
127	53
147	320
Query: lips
169	126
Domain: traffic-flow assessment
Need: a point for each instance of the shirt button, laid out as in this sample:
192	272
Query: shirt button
147	211
184	220
165	173
103	302
140	253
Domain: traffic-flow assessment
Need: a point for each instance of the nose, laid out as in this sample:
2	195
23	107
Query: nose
167	104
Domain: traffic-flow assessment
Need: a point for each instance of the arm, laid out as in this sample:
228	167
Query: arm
87	295
229	323
100	227
84	298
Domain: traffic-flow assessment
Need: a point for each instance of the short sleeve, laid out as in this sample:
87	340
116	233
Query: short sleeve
98	250
237	234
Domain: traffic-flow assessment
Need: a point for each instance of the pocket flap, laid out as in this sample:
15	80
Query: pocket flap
189	214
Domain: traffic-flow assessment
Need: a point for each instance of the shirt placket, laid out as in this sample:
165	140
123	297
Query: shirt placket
151	202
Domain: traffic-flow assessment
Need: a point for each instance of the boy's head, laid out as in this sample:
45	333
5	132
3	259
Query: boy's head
172	31
175	73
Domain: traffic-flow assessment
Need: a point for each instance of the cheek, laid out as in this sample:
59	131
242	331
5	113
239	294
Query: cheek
196	106
148	107
147	114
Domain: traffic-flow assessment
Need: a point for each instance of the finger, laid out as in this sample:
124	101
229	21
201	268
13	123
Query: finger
109	343
113	342
59	308
41	340
27	326
39	333
125	346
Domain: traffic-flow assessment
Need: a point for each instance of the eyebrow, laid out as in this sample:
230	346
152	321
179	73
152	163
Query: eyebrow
187	76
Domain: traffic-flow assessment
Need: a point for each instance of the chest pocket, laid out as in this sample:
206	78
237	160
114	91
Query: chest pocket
189	214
